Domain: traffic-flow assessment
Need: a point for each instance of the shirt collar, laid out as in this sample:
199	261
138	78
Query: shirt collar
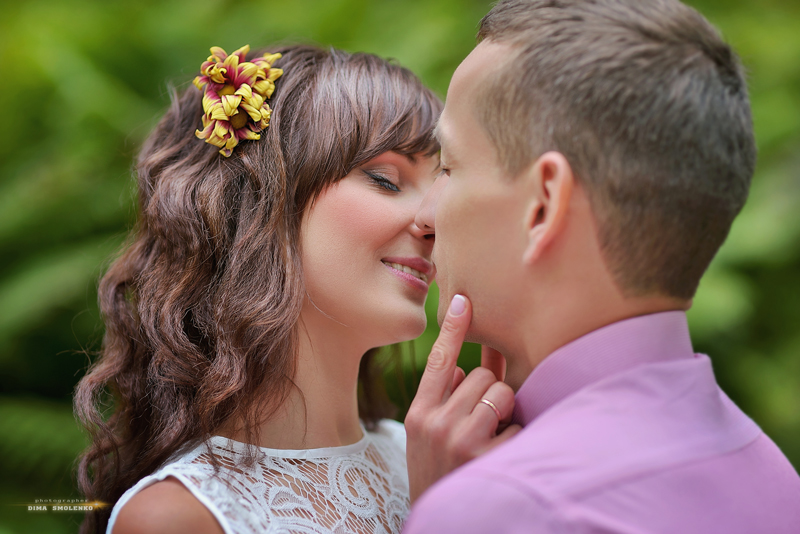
604	352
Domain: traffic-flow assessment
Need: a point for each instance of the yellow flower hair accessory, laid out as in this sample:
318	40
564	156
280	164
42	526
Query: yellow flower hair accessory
234	98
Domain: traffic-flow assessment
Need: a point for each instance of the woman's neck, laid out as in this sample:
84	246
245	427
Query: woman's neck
322	407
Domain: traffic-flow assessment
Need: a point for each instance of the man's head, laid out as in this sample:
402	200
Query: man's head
638	103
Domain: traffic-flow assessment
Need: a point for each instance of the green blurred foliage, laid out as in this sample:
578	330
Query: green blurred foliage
84	82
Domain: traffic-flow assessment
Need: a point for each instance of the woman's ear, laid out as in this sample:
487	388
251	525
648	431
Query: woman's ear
551	181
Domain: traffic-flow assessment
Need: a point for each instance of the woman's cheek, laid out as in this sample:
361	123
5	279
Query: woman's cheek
345	230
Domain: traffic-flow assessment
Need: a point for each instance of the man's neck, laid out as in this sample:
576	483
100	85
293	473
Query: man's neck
577	314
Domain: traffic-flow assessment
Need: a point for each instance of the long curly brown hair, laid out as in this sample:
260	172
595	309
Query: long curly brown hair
202	306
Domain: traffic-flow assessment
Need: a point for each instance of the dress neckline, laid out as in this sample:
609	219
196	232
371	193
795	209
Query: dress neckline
322	452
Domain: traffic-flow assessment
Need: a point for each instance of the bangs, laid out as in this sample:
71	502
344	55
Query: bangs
333	111
378	106
399	111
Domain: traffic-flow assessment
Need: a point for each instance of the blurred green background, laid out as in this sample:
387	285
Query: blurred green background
84	81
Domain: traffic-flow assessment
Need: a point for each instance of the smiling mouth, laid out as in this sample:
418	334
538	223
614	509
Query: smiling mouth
408	270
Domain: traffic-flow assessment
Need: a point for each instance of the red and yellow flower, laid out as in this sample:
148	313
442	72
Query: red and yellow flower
235	96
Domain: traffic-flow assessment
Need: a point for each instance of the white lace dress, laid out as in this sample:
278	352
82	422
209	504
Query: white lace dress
359	488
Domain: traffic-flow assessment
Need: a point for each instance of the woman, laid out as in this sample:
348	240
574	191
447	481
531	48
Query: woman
257	277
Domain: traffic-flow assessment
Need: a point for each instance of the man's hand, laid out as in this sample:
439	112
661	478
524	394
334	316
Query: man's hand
455	418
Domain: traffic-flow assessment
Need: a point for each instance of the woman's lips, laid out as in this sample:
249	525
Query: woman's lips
408	270
414	263
409	278
416	275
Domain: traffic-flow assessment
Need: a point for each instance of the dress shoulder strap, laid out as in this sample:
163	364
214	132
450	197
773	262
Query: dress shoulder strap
197	478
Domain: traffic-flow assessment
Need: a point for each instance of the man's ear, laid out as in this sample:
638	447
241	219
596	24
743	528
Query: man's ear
551	179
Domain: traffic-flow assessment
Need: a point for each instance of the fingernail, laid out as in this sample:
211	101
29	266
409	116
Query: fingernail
458	305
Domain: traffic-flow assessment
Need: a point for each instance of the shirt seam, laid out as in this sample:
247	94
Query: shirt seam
517	485
648	473
569	498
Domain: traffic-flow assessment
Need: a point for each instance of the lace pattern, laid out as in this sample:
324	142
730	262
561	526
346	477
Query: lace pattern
358	488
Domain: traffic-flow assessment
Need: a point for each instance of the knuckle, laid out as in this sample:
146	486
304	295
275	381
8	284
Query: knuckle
501	391
482	376
413	422
505	392
449	329
437	360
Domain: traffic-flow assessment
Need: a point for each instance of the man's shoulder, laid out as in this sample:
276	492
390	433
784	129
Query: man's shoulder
619	429
533	483
497	496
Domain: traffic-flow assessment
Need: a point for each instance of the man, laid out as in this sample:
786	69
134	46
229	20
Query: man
594	156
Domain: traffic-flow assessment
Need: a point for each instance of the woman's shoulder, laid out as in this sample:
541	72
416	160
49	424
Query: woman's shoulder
165	506
174	498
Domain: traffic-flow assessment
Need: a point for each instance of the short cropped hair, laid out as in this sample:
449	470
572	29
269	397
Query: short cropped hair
650	107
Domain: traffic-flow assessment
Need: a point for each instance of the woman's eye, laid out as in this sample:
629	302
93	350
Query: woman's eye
382	182
444	171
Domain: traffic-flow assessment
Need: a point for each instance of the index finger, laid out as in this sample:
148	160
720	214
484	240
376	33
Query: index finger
436	381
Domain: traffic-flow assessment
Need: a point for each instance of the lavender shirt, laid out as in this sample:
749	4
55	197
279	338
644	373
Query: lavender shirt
625	431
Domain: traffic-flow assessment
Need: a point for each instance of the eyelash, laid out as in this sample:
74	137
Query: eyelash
443	171
382	182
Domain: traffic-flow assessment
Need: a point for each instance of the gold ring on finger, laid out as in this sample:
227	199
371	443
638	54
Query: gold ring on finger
491	405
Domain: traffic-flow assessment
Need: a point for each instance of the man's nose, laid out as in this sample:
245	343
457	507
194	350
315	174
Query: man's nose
426	215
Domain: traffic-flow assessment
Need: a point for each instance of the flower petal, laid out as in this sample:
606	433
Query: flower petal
217	54
245	91
205	133
247	134
231	63
242	52
230	103
266	113
218	74
216	140
210	98
200	81
255	100
229	146
246	73
271	58
217	112
255	113
264	88
222	128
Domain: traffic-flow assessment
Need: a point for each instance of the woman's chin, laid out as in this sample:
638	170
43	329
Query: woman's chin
415	325
401	327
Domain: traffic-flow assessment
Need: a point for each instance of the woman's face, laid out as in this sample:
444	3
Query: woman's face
366	264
